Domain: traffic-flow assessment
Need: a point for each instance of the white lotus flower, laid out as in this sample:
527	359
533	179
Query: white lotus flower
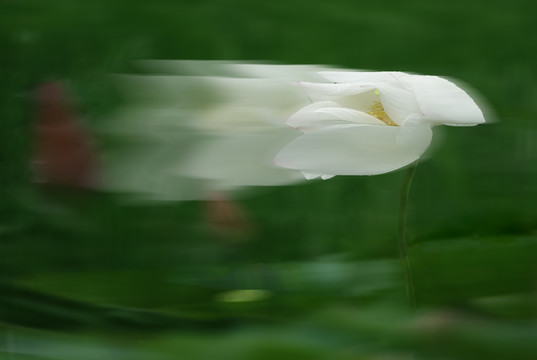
368	123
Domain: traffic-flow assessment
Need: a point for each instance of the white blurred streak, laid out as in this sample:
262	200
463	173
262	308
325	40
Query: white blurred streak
187	135
235	69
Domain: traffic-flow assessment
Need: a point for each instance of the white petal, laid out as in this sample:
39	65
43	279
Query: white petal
307	116
398	102
349	115
444	102
328	113
356	149
368	76
413	133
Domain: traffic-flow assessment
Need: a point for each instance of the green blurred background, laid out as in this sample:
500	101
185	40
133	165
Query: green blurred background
153	281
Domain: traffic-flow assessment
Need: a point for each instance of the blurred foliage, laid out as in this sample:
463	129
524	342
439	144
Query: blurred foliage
86	276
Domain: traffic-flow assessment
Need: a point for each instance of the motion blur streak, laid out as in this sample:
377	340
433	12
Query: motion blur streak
189	129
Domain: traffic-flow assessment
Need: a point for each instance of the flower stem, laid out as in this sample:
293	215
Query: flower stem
401	236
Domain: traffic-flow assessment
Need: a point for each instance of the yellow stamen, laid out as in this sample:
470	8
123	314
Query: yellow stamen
377	110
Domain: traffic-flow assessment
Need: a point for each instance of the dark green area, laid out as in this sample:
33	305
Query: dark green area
325	252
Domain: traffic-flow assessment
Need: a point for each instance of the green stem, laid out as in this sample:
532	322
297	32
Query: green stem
401	237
